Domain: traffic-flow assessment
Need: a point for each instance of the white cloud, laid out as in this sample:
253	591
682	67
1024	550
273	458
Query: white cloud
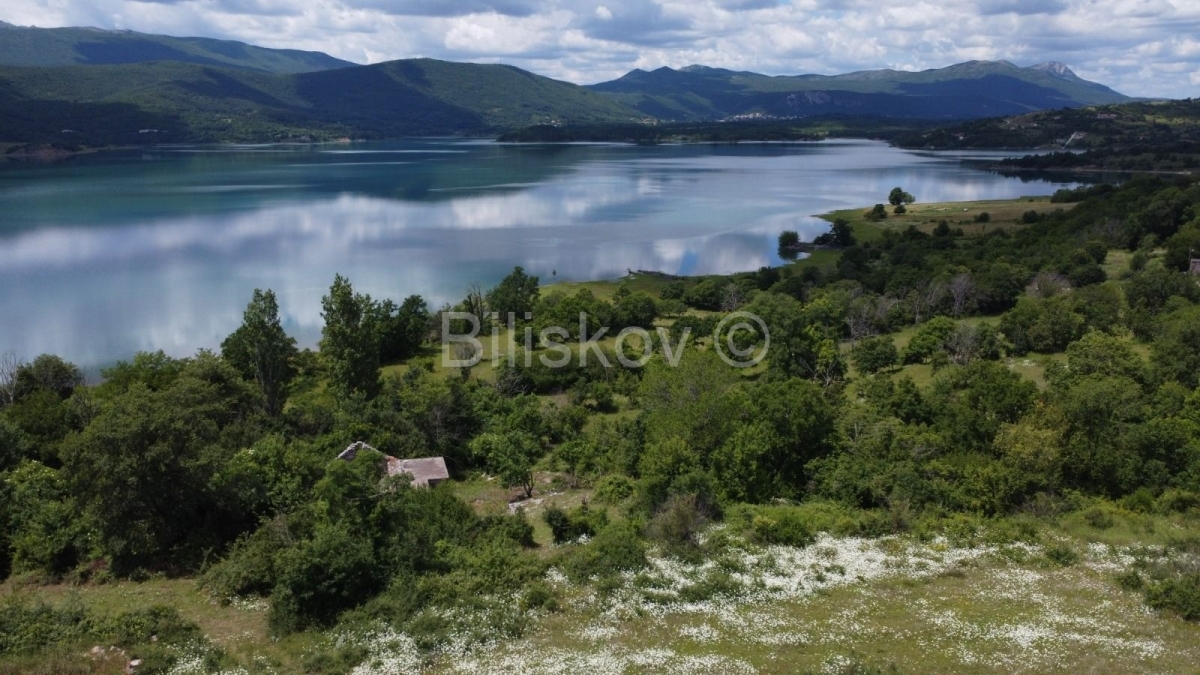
1140	47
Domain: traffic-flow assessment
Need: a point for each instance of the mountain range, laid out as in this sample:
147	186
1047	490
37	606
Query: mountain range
966	90
85	86
29	46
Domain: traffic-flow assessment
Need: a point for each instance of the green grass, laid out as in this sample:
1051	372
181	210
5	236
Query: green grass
240	629
1005	213
1009	610
650	283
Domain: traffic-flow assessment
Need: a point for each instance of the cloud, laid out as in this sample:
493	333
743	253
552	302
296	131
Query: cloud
1139	47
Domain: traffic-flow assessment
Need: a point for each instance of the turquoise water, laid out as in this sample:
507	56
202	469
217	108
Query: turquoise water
108	254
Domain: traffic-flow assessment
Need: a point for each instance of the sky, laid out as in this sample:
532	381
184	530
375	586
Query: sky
1138	47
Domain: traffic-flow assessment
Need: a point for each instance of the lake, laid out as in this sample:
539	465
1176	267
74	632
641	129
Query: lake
109	254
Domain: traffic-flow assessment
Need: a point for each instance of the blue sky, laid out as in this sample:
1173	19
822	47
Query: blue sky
1139	47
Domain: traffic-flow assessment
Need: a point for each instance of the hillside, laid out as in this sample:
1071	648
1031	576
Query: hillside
1153	123
181	102
971	445
966	90
29	46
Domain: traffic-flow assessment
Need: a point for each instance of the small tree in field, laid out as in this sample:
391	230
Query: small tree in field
510	456
899	198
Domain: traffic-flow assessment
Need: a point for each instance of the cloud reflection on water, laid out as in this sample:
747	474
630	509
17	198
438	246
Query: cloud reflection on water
133	273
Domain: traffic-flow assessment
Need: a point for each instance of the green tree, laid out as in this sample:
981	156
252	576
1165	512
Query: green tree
262	351
931	338
517	293
688	402
510	456
14	445
46	532
140	470
875	354
1175	354
898	197
843	234
155	370
635	309
1099	354
789	241
1183	247
49	373
350	339
405	328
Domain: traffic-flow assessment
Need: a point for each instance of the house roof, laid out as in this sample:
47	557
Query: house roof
425	471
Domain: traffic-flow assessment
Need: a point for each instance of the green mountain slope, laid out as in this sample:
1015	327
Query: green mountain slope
966	90
181	102
21	46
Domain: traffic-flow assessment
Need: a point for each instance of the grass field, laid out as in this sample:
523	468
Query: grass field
971	601
1005	213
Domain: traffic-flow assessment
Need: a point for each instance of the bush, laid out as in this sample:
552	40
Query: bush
569	526
1099	518
617	548
613	489
717	583
1180	595
782	526
983	217
30	628
678	523
1062	555
1177	501
540	596
139	626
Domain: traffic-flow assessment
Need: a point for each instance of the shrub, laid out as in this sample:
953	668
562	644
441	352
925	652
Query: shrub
1180	595
1099	518
568	526
540	596
1177	501
617	548
29	628
1131	580
983	217
878	212
613	489
678	523
1062	555
782	526
139	626
717	583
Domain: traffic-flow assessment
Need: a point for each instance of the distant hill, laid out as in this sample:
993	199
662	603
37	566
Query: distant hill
1141	124
184	102
967	90
27	46
87	87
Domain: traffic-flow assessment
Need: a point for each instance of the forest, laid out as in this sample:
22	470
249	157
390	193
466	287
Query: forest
894	401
